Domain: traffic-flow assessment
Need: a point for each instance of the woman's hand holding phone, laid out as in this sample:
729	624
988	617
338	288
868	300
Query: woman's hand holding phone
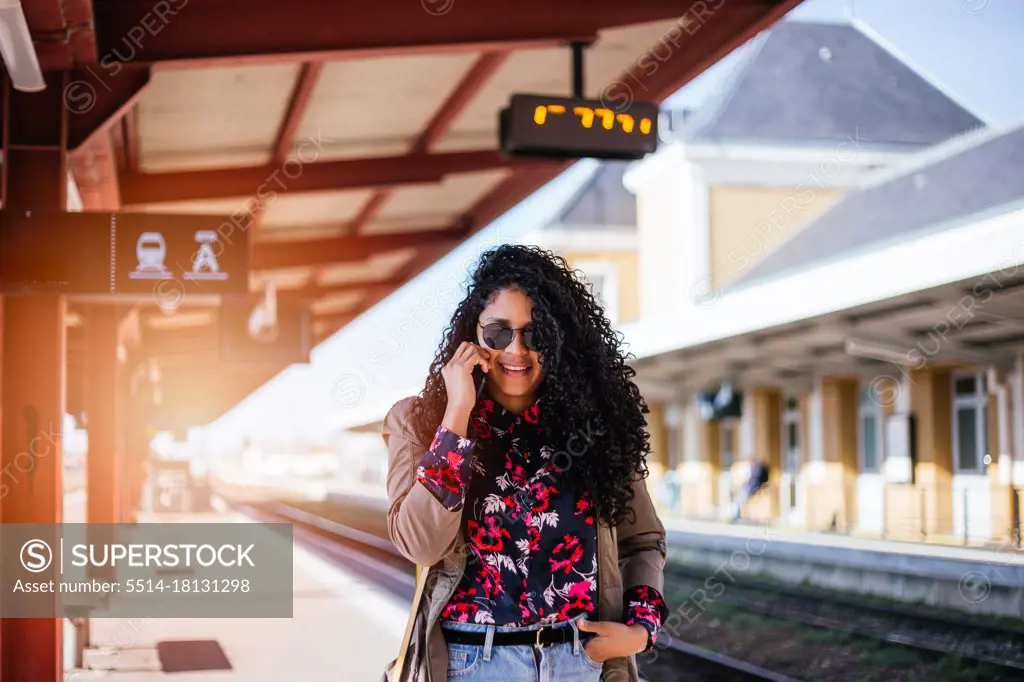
458	382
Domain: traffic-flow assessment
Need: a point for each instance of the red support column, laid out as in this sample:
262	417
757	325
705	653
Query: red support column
102	391
33	417
34	366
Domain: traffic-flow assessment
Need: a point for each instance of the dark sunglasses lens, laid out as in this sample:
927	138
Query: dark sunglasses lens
497	336
528	338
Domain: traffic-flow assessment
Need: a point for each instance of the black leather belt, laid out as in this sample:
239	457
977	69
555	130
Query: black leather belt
540	637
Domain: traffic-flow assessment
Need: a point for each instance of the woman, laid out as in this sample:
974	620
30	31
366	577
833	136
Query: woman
518	476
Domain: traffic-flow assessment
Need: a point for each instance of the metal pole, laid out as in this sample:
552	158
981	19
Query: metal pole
577	69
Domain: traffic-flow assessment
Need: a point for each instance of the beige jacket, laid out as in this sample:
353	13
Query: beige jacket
632	553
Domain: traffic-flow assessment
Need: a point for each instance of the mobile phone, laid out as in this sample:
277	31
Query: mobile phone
480	378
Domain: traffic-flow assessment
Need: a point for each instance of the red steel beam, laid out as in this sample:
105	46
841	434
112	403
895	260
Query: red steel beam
267	181
94	167
370	209
62	28
301	96
468	88
280	255
45	18
460	97
99	98
126	141
131	139
319	29
443	118
78	19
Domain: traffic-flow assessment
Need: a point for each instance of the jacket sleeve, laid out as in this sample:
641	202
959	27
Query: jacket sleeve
426	487
641	540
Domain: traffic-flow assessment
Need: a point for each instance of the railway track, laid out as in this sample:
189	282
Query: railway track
894	624
674	660
690	663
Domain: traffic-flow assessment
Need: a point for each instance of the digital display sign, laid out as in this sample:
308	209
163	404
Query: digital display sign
133	254
572	127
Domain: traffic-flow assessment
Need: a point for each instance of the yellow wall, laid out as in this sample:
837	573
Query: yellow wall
658	461
627	265
749	222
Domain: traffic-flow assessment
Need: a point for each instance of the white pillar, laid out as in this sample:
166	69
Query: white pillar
898	466
746	429
691	431
1017	408
999	386
674	423
816	427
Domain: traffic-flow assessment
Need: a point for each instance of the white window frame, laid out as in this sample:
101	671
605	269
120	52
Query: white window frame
978	401
729	424
869	408
608	271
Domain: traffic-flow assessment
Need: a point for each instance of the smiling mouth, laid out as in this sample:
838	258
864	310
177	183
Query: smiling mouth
512	369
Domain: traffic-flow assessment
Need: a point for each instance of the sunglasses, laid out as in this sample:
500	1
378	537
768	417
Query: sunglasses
498	335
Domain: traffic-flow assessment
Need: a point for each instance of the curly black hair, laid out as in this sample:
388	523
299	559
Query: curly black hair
587	386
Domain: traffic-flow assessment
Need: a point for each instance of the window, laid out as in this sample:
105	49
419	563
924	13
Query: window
791	437
727	443
869	433
970	423
599	283
603	278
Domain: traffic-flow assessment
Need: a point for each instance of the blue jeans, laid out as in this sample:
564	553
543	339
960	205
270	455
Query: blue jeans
566	662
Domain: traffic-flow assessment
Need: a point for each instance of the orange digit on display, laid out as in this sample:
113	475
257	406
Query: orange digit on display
607	117
540	114
627	122
586	115
645	125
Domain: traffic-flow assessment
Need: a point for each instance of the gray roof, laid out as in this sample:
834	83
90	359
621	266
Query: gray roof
823	83
602	202
976	179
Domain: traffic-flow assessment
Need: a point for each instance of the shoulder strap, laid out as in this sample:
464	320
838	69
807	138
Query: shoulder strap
421	581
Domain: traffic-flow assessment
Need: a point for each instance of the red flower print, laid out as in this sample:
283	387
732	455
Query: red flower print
487	537
580	599
533	544
542	493
566	554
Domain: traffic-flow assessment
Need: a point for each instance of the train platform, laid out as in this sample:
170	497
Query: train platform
1005	554
343	627
967	578
974	580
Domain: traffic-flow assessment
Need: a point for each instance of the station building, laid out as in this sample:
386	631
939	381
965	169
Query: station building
839	242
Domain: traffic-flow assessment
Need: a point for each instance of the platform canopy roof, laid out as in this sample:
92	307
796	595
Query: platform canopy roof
358	141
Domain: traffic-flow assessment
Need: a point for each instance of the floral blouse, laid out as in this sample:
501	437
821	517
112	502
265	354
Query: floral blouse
533	542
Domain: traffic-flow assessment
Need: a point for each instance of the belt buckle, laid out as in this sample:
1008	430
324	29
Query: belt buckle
538	644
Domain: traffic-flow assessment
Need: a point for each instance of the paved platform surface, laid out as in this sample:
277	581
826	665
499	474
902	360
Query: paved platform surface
1007	554
344	628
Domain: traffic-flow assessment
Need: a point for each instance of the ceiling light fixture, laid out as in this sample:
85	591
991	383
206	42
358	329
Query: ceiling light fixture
17	50
875	350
